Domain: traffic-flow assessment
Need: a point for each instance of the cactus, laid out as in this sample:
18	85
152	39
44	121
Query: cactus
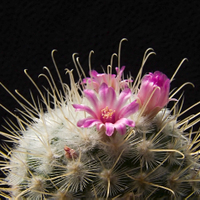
103	137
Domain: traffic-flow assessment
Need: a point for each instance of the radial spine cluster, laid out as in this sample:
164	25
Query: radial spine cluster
103	137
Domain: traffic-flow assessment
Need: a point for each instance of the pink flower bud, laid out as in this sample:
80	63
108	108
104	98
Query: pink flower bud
70	153
154	93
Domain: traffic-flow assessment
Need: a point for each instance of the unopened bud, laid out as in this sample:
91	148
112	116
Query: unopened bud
70	153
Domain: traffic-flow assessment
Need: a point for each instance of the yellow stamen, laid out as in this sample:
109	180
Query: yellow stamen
107	113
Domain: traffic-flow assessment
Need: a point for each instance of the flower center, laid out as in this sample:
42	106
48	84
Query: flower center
107	113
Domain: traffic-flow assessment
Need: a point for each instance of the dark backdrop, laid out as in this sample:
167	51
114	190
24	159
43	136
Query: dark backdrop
29	31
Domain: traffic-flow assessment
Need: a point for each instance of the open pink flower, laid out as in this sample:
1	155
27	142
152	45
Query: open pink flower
108	111
110	79
159	98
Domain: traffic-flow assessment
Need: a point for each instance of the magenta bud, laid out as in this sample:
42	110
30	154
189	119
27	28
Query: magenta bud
154	93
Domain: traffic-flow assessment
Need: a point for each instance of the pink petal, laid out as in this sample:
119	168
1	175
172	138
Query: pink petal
91	84
129	109
123	97
104	78
145	91
87	122
119	72
155	98
121	128
109	128
85	80
103	93
93	73
114	84
99	125
110	97
120	125
124	83
107	96
125	121
91	96
80	107
94	86
165	93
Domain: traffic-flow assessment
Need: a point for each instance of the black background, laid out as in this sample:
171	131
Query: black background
30	30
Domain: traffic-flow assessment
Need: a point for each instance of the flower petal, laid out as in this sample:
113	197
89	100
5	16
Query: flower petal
109	128
123	97
91	84
93	73
87	122
121	128
119	71
110	97
129	109
107	96
80	107
103	91
165	93
120	125
92	98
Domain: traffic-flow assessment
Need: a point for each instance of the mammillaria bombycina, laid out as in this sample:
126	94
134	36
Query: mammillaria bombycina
104	137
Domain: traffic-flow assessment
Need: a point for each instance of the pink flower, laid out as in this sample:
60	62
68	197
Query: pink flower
110	79
108	111
159	98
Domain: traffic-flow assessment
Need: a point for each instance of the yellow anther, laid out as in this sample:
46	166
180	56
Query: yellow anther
107	113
